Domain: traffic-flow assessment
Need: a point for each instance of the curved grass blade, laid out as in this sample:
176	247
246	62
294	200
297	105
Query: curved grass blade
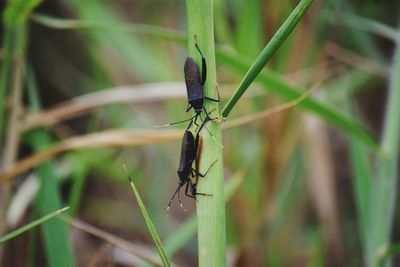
149	223
75	24
382	206
277	40
368	25
184	233
278	86
31	225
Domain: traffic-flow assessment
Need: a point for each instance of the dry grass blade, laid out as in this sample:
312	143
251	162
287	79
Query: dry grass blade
124	138
355	60
321	182
116	241
109	138
270	111
123	94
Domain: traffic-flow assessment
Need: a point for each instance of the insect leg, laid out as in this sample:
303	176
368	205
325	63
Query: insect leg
203	175
214	99
203	64
188	107
187	189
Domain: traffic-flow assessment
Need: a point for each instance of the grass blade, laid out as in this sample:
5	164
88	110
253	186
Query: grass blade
368	25
149	223
278	86
181	236
382	202
277	40
31	225
275	84
81	24
361	181
56	233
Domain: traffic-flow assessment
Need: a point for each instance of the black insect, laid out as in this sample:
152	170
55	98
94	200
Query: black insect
189	153
195	89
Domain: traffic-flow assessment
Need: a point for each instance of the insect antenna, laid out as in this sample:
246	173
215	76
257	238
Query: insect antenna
179	199
177	122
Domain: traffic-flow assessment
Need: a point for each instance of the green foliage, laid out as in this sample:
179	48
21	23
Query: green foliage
31	225
269	50
273	217
149	223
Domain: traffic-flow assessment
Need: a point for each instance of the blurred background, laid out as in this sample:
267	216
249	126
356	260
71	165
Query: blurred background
94	81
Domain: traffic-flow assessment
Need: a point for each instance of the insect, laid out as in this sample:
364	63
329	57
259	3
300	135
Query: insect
195	89
189	153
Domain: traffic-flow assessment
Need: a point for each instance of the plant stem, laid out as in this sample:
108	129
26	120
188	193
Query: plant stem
385	185
210	209
14	18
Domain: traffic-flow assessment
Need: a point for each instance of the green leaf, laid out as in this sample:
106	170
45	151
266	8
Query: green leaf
368	25
56	232
383	199
79	24
277	40
31	225
278	86
149	223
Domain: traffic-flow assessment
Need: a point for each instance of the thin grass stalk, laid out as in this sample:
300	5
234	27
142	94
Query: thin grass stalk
55	233
31	225
14	20
269	50
149	223
385	185
210	209
5	71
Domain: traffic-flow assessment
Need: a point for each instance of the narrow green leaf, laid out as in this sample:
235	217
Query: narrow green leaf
181	236
383	200
362	182
277	40
387	252
18	11
278	86
55	232
149	223
368	25
31	225
75	24
13	49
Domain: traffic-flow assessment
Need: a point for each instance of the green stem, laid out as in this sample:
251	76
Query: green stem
29	226
385	185
210	209
5	74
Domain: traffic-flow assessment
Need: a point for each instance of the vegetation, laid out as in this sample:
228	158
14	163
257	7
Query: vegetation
307	142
